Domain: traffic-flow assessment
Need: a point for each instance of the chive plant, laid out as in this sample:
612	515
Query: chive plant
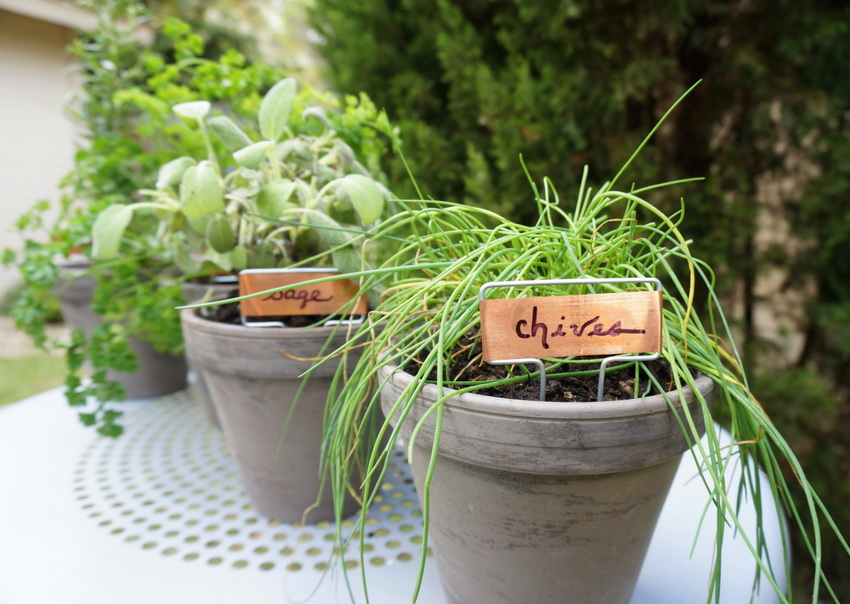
425	320
427	323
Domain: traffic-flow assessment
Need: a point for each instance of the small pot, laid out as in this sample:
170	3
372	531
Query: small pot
544	502
158	373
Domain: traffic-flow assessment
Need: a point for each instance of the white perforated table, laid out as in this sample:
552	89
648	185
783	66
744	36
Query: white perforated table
158	516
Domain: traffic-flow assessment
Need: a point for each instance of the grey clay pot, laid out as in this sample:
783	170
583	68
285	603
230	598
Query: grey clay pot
253	386
195	292
158	373
544	502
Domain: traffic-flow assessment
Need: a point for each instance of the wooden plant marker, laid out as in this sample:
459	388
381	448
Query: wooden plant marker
327	298
525	330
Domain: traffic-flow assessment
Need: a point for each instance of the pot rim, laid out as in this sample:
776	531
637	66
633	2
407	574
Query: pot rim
190	316
519	408
550	437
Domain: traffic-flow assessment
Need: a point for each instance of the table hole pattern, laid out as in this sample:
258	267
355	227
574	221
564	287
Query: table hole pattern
169	486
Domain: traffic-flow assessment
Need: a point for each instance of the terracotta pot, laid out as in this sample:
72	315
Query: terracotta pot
272	419
544	502
157	374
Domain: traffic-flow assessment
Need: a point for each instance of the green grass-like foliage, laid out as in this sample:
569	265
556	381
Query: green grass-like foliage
429	308
426	311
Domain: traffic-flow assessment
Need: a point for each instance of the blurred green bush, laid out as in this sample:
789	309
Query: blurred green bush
568	83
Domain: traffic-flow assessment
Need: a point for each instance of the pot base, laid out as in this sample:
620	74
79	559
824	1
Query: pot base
271	416
543	502
276	447
555	535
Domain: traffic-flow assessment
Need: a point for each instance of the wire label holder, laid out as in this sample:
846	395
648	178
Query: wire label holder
521	331
326	298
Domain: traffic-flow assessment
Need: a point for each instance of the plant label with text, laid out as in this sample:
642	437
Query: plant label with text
567	326
327	298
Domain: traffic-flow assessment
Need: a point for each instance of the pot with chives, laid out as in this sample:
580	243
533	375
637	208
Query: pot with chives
467	423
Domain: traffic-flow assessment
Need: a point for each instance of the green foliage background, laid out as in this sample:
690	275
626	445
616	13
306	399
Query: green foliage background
568	83
134	65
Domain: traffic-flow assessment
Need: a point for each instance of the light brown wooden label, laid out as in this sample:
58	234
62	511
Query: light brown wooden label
566	326
326	298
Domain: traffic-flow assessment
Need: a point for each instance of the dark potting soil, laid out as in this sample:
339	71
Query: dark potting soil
619	383
229	313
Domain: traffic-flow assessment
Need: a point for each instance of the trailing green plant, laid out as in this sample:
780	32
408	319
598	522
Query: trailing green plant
125	109
428	324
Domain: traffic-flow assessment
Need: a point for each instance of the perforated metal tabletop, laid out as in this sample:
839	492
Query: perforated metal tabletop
158	515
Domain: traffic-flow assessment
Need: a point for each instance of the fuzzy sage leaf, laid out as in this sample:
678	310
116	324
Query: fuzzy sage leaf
273	197
219	234
193	111
328	229
252	156
108	230
171	173
275	109
200	191
365	196
184	261
228	133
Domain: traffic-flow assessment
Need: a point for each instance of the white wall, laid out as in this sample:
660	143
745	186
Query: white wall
36	137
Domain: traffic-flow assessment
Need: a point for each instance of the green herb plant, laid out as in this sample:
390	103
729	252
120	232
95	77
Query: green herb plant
427	322
125	110
273	203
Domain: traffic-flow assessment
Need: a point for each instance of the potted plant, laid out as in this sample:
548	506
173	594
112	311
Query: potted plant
526	500
129	323
298	197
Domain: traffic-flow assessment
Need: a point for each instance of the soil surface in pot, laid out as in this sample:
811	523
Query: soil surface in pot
229	313
619	383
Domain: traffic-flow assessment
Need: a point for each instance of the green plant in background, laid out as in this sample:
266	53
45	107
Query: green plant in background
298	192
24	371
429	325
474	85
124	108
471	87
274	203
